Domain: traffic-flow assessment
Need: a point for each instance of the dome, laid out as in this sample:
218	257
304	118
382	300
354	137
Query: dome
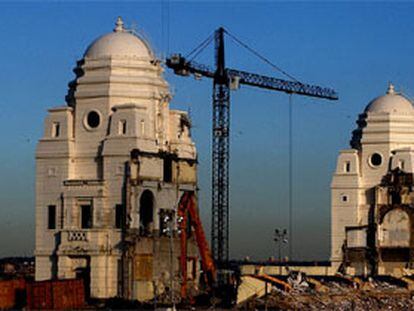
119	43
391	102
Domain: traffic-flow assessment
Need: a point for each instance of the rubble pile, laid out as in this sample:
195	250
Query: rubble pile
323	301
334	294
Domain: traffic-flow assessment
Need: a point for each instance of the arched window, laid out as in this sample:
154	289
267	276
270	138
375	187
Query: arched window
146	212
395	229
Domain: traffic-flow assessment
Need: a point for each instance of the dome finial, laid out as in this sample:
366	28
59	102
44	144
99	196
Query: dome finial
119	25
391	89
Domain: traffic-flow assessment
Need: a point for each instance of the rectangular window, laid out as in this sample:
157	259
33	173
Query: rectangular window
51	171
55	129
119	216
120	278
122	127
401	164
51	222
142	128
167	169
347	167
86	211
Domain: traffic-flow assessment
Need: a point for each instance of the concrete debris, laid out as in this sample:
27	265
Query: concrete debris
250	287
298	281
334	294
322	301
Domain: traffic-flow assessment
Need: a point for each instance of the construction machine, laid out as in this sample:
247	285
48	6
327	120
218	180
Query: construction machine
188	218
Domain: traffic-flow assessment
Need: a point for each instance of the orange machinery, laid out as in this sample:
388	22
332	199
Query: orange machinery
187	214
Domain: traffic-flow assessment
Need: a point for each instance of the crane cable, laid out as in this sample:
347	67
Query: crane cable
290	137
264	59
162	29
290	228
199	48
165	25
168	26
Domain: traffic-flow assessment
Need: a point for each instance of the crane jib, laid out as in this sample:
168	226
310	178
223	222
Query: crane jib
185	68
291	87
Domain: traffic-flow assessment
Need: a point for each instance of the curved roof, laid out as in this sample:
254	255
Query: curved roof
121	43
391	102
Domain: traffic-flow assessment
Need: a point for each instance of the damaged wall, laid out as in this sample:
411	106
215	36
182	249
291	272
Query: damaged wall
371	206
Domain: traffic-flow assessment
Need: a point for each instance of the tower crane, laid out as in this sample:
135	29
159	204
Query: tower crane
225	79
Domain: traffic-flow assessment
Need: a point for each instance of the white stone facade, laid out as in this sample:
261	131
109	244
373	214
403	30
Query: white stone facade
383	141
119	102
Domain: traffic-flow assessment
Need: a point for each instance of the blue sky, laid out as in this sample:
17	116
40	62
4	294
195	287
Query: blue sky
353	47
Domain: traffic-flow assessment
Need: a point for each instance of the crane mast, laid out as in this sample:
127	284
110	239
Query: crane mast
220	156
225	79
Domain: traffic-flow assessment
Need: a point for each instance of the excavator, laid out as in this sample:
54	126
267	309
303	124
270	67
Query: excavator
187	215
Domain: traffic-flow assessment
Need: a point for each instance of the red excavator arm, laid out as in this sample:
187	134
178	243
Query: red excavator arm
188	207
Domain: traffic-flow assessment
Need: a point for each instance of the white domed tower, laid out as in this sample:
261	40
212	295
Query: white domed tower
382	145
115	156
